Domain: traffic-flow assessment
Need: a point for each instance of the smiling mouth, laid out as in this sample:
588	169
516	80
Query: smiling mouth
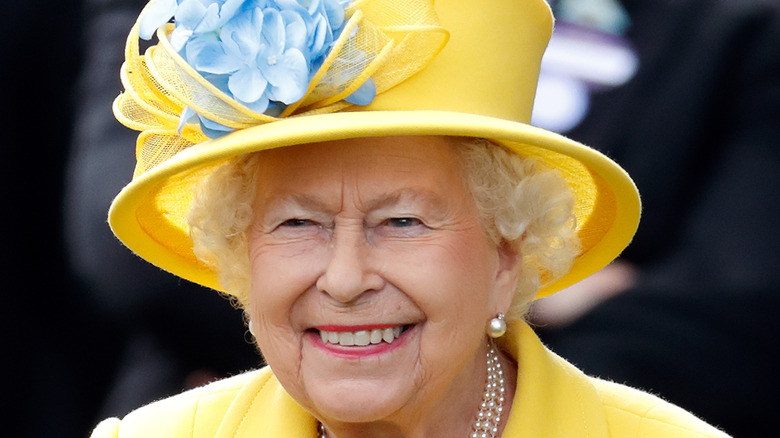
363	337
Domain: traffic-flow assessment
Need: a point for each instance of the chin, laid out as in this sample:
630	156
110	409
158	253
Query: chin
360	401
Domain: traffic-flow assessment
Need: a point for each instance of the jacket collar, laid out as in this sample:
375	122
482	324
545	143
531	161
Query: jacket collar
553	399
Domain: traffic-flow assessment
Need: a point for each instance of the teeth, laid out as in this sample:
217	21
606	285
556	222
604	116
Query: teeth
347	338
361	337
387	335
376	336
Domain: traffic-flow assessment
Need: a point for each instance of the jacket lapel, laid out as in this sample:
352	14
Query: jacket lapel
553	398
262	408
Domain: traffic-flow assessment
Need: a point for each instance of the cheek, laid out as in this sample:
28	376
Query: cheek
279	273
450	279
280	276
457	261
463	273
452	288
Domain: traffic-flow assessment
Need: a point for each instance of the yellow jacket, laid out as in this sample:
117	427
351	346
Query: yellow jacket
553	400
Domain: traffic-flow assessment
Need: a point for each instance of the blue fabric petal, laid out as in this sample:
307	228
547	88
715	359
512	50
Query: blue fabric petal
157	14
261	105
219	81
321	38
289	77
291	5
189	14
229	10
335	14
179	37
273	29
295	31
213	129
316	7
207	55
247	84
243	30
210	20
260	52
188	115
364	94
251	4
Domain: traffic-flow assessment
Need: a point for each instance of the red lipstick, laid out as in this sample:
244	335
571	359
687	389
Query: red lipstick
354	328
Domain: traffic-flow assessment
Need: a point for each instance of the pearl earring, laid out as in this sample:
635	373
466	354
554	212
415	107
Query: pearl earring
496	327
251	328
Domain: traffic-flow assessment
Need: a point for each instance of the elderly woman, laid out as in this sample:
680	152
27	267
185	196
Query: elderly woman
361	178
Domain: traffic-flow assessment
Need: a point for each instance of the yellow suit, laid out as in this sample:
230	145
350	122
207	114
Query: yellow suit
553	400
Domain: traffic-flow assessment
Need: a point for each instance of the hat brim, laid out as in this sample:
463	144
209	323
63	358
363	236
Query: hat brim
149	214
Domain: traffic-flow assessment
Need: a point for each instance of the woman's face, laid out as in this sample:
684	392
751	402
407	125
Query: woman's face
373	242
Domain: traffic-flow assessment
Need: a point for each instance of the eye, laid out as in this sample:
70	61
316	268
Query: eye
297	228
403	222
402	227
296	223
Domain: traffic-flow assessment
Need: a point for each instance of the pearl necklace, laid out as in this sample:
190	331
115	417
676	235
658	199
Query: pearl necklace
492	405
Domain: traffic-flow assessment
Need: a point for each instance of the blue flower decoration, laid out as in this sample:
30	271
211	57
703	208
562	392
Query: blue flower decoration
262	53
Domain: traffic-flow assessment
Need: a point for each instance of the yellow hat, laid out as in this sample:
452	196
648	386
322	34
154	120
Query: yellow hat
459	68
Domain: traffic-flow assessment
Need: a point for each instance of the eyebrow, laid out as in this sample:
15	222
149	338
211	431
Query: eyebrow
407	194
302	200
312	203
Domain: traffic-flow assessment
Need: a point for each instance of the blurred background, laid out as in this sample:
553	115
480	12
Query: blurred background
685	94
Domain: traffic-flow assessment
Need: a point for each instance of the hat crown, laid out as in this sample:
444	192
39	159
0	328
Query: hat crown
470	57
490	66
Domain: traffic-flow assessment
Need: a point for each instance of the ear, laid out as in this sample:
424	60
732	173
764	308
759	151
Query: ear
507	276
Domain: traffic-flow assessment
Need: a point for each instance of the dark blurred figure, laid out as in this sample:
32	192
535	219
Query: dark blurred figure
48	339
690	309
165	334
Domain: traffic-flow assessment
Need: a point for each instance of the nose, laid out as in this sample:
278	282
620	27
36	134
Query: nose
349	271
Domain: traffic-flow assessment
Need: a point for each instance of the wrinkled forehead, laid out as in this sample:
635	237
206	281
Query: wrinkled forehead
385	161
369	172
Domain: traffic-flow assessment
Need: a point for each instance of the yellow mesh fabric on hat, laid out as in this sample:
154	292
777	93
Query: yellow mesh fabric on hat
385	40
352	61
156	146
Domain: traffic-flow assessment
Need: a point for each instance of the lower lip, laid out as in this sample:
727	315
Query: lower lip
355	351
